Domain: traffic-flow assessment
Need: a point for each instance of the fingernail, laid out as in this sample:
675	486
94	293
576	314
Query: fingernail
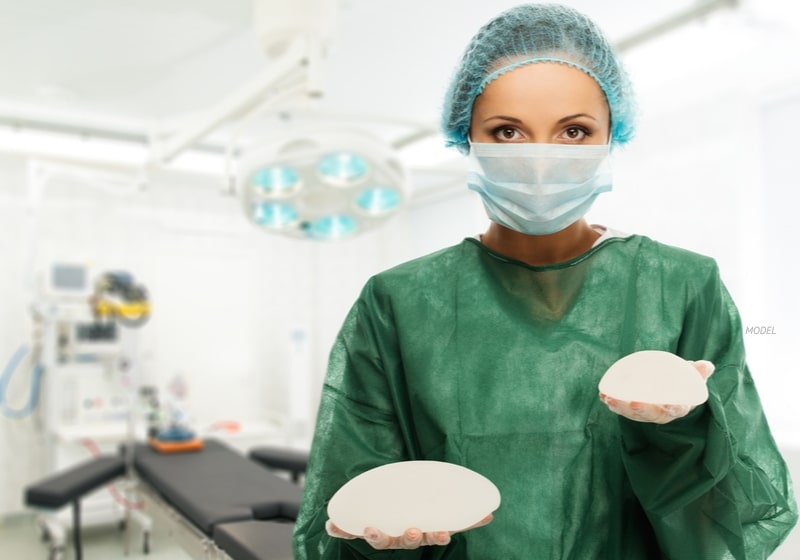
371	535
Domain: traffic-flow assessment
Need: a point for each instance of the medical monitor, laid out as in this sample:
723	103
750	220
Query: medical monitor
68	280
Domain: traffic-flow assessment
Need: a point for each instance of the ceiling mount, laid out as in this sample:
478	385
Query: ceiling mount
308	182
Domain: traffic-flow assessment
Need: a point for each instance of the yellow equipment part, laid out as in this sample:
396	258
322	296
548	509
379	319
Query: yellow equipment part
129	310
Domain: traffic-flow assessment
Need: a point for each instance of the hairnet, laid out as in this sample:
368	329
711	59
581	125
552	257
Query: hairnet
533	33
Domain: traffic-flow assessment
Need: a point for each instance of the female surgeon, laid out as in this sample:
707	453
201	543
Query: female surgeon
488	354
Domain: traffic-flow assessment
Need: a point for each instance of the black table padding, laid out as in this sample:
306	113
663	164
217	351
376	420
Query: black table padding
292	460
216	485
255	540
69	485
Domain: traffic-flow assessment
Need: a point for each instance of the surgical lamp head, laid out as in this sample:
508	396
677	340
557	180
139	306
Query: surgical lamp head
322	184
530	34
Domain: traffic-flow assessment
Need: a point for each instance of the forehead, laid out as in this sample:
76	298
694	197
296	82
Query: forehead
545	88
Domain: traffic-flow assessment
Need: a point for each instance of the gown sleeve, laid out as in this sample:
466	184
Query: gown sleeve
713	484
362	423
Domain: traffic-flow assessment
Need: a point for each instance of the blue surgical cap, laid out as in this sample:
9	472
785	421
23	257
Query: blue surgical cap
529	34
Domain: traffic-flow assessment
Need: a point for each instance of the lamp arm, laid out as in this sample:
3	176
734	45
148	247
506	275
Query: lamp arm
288	91
239	101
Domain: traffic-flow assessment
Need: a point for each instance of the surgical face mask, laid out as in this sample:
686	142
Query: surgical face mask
538	189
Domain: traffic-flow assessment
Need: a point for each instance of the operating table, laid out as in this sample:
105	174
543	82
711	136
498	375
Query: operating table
217	503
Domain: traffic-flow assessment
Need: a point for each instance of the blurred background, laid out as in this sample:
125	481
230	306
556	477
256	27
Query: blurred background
154	139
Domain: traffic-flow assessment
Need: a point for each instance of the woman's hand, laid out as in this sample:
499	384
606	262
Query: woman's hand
411	539
656	413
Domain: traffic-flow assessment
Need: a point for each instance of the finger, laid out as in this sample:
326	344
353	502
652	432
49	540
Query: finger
704	368
411	539
676	410
667	415
619	408
636	411
639	410
437	538
610	402
334	531
653	413
378	539
644	412
485	521
623	408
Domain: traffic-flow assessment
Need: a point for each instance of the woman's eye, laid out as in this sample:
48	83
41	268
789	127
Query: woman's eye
575	133
507	133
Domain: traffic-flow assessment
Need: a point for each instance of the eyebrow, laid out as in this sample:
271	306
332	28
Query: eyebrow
504	118
575	116
519	121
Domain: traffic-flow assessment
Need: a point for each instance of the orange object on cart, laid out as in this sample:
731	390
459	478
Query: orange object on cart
176	446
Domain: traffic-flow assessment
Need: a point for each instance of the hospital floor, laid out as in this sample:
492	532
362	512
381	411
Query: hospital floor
21	539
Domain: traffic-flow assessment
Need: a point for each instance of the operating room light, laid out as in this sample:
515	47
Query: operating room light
275	215
278	179
333	227
342	168
323	184
378	200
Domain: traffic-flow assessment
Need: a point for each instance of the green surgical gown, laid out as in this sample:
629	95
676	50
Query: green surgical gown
473	358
